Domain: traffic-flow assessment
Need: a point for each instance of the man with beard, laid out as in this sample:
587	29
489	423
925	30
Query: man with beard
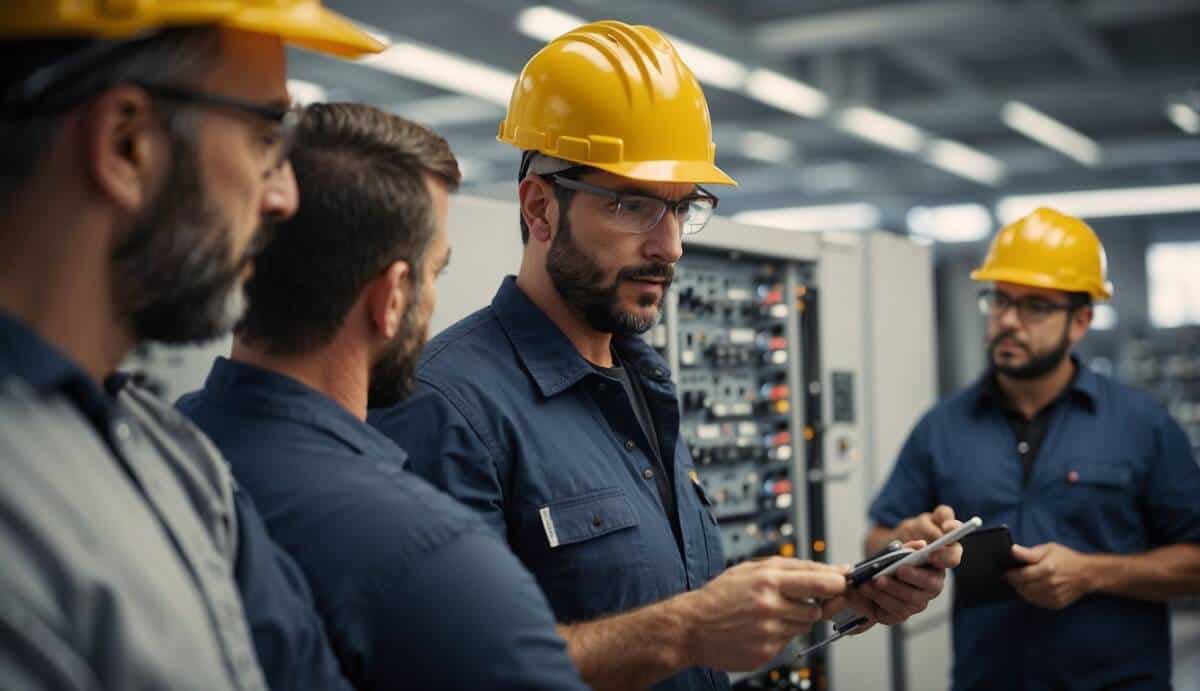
415	590
144	147
552	418
1096	482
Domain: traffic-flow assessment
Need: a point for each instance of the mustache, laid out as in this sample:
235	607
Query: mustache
1009	334
665	272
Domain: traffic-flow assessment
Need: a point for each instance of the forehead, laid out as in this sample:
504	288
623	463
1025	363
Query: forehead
250	66
666	190
1019	291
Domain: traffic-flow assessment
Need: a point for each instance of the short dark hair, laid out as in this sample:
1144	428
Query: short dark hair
562	194
364	204
171	56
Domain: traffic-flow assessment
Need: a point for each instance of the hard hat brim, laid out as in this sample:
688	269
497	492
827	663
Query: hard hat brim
308	26
696	172
1036	279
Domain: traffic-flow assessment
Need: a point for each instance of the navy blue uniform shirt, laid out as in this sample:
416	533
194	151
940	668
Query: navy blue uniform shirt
415	591
1114	474
288	636
509	418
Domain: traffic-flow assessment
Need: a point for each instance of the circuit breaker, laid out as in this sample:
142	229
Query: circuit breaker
742	349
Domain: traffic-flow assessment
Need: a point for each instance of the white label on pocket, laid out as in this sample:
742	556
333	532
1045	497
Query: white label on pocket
548	524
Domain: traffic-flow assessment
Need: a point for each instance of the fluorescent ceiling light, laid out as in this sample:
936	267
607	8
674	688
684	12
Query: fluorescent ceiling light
880	128
1050	132
546	23
830	217
1132	201
1185	117
445	70
304	92
709	67
763	146
951	223
966	162
786	94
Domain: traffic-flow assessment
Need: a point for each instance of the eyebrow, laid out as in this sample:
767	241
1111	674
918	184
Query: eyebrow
626	189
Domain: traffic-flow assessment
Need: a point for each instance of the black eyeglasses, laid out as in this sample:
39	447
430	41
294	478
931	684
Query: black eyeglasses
1030	309
278	141
641	213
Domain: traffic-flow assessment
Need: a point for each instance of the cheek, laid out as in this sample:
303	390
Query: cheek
235	183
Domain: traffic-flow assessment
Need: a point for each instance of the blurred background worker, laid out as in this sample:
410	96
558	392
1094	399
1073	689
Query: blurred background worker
145	155
549	415
410	583
1095	480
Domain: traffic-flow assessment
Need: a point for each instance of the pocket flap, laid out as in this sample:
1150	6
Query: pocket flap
1101	475
587	516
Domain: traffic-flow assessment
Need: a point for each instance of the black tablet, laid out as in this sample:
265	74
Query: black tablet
979	578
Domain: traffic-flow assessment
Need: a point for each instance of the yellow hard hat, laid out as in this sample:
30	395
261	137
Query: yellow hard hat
303	23
1048	249
618	98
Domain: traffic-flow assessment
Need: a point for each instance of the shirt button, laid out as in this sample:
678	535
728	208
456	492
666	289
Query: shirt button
123	431
630	445
602	387
1023	447
1073	477
597	521
658	371
648	474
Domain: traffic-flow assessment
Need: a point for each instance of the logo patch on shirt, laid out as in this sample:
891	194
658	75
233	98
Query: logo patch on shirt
548	525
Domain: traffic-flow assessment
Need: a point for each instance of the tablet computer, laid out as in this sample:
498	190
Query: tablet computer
979	578
921	556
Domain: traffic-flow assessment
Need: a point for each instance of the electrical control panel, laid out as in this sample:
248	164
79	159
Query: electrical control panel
733	348
743	353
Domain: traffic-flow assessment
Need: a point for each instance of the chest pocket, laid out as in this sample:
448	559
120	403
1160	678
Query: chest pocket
1098	499
714	551
592	560
585	517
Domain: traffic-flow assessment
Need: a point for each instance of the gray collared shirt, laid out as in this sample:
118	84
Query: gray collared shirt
117	553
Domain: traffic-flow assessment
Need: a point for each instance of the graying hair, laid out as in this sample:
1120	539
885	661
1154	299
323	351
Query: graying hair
174	56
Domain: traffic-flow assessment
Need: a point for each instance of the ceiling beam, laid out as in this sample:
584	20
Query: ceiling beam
1076	37
1113	12
896	24
937	70
887	25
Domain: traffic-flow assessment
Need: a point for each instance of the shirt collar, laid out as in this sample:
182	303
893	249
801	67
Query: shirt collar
1083	387
45	369
549	356
280	396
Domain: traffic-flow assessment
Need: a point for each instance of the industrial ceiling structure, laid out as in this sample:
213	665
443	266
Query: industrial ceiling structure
932	115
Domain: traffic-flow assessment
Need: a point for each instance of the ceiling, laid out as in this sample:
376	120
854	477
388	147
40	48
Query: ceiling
950	68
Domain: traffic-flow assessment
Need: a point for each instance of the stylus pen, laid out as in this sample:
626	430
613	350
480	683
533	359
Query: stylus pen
822	644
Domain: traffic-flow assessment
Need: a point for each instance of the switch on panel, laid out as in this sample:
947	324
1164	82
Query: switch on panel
843	397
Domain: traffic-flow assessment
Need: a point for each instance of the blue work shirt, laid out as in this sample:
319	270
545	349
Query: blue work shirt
416	592
510	419
1114	474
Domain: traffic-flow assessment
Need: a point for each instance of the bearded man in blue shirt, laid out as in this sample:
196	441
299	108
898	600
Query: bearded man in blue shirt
1097	483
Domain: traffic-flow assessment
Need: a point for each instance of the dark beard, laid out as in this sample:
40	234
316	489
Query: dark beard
580	281
1038	365
176	279
391	378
